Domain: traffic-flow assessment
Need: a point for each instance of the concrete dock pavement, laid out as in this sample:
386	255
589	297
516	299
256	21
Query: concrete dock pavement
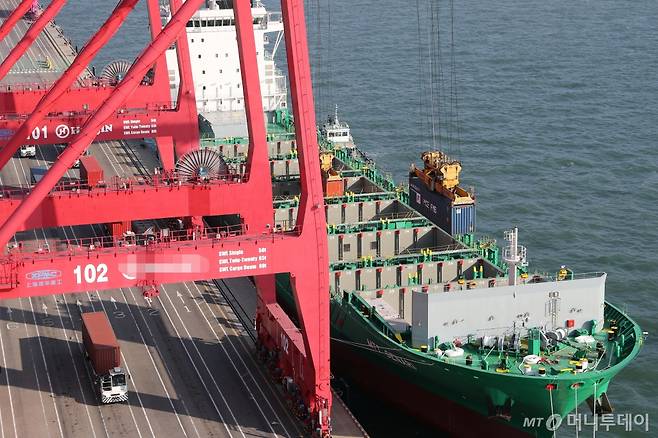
240	295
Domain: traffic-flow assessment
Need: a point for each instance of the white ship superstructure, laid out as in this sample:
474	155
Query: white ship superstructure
216	65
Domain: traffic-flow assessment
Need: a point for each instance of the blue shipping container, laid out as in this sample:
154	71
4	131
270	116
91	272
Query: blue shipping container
463	219
453	219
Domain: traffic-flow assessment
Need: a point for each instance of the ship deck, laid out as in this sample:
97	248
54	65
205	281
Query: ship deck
192	364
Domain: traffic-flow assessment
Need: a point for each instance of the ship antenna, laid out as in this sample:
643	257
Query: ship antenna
514	254
336	115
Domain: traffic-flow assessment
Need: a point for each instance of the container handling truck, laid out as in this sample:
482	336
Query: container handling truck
102	349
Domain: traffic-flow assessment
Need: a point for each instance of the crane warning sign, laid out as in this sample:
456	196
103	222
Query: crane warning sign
140	127
240	261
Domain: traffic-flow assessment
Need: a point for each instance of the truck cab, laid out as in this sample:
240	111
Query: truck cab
104	353
28	150
114	386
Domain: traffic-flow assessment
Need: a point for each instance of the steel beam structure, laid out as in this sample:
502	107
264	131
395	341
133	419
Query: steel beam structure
88	53
309	284
254	248
91	127
79	204
146	113
13	18
32	33
17	100
180	257
187	139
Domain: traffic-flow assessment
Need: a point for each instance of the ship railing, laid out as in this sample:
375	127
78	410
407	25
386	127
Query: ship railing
272	135
284	226
284	198
378	225
287	201
88	82
273	17
557	277
395	216
150	108
430	250
120	184
274	157
281	82
402	259
358	160
129	242
360	197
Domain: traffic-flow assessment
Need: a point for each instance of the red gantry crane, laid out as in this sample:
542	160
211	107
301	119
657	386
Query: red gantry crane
79	111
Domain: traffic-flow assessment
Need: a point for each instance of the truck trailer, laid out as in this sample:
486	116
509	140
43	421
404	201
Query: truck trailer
104	353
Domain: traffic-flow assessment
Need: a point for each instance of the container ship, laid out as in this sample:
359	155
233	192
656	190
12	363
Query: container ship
452	328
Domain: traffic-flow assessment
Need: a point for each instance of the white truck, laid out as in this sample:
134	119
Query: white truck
28	150
102	349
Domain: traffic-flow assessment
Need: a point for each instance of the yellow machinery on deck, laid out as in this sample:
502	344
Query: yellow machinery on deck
332	181
441	175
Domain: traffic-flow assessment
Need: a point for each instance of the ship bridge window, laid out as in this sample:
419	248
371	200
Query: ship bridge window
196	23
190	24
204	23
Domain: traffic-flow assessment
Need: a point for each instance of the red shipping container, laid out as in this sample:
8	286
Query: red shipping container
90	170
334	187
100	342
117	229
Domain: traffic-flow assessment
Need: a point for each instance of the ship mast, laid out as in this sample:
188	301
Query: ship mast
514	255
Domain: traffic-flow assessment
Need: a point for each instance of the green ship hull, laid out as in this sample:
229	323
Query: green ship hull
460	390
454	397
